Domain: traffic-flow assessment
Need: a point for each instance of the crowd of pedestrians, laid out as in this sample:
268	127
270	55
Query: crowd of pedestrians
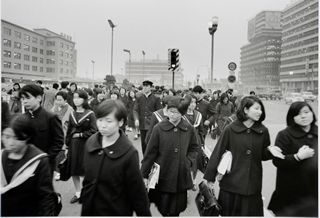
88	127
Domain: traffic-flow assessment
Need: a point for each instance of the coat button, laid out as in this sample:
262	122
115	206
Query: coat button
175	129
309	136
100	152
248	152
248	130
110	152
176	150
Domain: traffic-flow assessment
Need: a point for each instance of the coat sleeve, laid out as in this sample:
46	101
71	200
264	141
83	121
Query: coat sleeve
218	110
153	122
220	148
57	136
150	153
93	127
135	187
46	194
193	149
283	142
202	131
266	155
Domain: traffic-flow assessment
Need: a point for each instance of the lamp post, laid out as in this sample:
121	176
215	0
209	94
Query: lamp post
128	51
143	54
213	25
92	61
112	26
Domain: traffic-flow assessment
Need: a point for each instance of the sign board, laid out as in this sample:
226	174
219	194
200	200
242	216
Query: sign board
232	66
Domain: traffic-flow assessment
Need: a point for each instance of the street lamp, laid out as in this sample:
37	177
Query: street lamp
112	26
213	25
92	61
128	51
143	54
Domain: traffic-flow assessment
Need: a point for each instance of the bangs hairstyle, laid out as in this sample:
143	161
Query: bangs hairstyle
23	128
247	102
295	109
33	89
63	94
75	84
83	94
108	106
223	96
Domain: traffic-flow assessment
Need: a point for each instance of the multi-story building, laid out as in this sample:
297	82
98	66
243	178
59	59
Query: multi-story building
154	70
260	58
36	55
299	56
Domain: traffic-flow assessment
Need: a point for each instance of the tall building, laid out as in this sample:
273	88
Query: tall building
153	70
36	55
299	56
260	58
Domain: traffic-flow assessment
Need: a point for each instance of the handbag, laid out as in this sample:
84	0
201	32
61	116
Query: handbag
206	201
202	160
65	168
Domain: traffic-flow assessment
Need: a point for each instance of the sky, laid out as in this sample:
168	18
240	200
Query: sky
150	25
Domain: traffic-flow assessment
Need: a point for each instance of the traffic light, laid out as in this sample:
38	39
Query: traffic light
173	59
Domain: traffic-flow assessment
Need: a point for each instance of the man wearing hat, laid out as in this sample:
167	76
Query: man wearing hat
143	108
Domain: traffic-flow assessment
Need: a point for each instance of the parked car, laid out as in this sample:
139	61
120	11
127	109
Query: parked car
293	97
308	96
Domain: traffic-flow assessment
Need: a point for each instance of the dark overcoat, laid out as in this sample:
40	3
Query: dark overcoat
248	147
154	121
297	181
203	108
113	185
49	133
143	108
34	197
175	150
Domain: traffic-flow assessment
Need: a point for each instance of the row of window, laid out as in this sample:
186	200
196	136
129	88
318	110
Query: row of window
298	52
300	5
301	35
300	43
7	43
300	28
301	20
301	12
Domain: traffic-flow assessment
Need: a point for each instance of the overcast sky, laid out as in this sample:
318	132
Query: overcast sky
149	25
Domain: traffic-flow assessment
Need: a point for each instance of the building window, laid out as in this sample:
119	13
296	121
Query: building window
41	69
17	55
6	64
67	55
7	53
34	50
34	40
7	31
67	47
26	67
26	37
61	44
41	60
41	51
61	53
51	43
26	47
50	70
67	63
34	59
61	70
34	68
7	42
17	45
51	52
71	56
17	34
17	66
26	57
41	42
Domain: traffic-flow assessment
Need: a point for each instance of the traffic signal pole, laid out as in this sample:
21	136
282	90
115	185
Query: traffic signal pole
172	78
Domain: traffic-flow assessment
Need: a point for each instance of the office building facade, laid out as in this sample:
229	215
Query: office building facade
36	55
154	70
260	58
299	56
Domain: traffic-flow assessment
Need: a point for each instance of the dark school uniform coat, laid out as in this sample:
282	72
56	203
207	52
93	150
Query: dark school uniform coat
175	150
297	181
143	108
248	147
156	117
34	197
203	108
113	185
49	133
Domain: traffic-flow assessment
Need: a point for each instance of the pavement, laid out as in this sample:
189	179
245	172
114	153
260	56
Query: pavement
276	112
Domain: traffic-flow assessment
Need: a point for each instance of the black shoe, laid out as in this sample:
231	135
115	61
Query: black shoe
74	199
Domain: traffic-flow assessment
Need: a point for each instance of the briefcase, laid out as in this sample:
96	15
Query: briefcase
206	201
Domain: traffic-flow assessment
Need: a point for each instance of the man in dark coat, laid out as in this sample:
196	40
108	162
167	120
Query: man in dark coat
49	134
142	111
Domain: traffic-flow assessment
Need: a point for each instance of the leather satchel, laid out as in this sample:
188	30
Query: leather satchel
206	201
